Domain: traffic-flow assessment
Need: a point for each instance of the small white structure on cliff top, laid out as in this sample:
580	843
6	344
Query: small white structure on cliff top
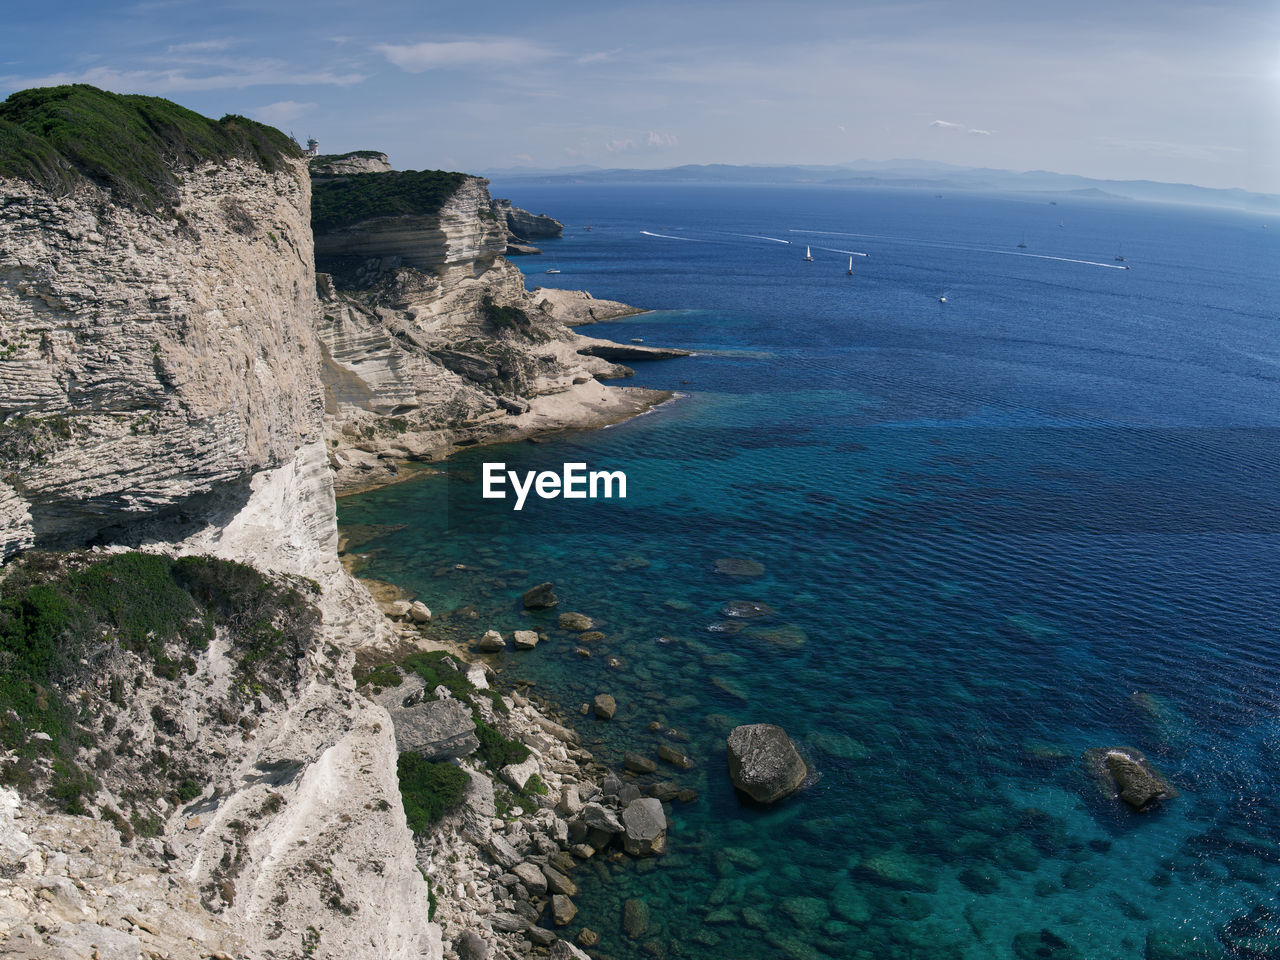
313	147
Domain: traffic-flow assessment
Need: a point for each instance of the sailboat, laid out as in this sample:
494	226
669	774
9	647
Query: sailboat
1119	254
808	255
1022	244
943	298
849	272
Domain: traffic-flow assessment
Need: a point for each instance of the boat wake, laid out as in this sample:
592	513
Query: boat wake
667	236
851	253
952	246
760	236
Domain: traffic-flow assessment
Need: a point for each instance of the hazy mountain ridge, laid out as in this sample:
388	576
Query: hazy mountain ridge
907	174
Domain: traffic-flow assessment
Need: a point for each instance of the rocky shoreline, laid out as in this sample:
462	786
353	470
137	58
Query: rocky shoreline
507	856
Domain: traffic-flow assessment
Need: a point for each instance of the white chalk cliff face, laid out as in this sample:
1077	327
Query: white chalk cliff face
419	355
160	385
150	362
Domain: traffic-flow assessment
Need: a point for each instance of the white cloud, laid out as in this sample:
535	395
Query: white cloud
198	46
417	57
234	75
1177	151
616	146
598	56
662	139
283	113
948	125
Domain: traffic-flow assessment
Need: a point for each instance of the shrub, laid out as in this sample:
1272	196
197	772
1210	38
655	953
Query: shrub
428	790
506	317
132	145
496	750
353	198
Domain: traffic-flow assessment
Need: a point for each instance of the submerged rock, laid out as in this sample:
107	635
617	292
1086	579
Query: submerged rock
635	918
574	622
747	609
764	763
637	763
1043	945
1138	783
739	567
540	597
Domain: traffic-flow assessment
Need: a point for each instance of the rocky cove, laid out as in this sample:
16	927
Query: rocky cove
181	396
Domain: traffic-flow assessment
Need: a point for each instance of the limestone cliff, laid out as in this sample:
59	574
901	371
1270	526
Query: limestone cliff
358	161
160	386
431	340
522	223
170	382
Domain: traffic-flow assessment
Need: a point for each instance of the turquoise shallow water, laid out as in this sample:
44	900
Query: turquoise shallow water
1038	518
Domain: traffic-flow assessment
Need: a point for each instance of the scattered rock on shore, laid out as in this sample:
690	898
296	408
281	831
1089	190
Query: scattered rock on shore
491	642
419	612
540	597
764	763
436	729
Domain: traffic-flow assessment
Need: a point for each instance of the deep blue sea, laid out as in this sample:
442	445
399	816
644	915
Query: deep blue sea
1040	517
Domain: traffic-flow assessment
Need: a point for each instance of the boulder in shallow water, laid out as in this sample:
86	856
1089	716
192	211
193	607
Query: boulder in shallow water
574	622
644	827
637	763
604	706
764	763
491	642
524	639
540	597
563	910
1138	783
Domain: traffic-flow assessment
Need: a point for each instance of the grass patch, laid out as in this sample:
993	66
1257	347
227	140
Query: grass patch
134	146
64	620
428	790
356	197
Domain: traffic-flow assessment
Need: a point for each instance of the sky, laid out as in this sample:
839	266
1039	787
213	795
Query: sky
1171	91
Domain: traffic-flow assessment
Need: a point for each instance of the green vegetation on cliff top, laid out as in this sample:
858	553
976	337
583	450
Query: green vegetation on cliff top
137	147
342	201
